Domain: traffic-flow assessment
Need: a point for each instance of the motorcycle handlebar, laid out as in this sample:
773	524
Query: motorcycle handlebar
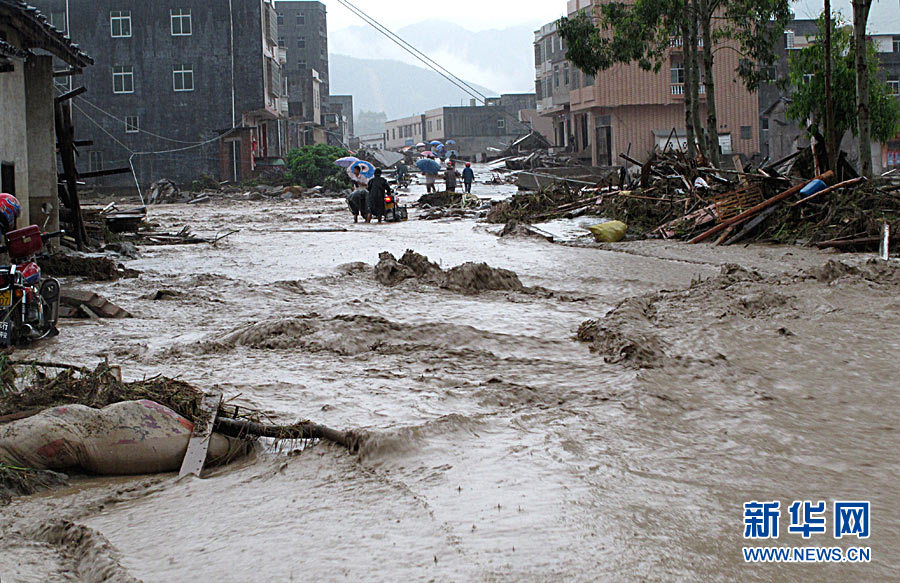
47	236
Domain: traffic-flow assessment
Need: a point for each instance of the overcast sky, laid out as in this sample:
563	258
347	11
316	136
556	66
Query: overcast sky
478	15
474	15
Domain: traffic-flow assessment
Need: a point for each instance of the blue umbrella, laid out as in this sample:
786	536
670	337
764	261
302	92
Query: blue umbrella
346	162
451	142
434	143
366	170
428	166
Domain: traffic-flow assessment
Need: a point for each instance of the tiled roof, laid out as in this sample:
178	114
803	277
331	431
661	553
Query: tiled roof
41	34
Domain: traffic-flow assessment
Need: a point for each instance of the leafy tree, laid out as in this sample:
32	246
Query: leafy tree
808	82
311	165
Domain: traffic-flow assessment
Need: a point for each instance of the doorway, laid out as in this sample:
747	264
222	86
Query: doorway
8	178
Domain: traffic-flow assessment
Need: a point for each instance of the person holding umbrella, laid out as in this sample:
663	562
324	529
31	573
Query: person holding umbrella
468	176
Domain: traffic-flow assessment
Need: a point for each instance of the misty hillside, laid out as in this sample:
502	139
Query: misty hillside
502	59
396	88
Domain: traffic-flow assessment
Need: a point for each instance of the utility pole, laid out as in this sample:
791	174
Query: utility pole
831	142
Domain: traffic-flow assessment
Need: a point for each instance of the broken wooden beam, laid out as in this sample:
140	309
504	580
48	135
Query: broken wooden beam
198	446
751	212
101	173
71	94
302	430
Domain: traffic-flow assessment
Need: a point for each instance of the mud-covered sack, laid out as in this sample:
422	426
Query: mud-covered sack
132	437
609	232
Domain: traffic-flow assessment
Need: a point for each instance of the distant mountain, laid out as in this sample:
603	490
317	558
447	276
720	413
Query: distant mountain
396	88
502	59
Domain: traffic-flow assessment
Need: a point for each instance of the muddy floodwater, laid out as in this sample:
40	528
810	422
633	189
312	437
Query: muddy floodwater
510	438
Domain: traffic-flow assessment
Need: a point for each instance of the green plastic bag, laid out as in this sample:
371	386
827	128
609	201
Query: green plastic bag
609	232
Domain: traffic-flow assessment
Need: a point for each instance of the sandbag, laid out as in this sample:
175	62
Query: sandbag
609	232
132	437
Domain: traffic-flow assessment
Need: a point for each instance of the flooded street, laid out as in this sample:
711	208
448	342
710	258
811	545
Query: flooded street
501	447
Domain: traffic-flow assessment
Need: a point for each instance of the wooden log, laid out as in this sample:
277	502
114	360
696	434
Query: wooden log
749	213
843	184
302	430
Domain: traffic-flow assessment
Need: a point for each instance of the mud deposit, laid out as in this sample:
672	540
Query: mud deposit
513	435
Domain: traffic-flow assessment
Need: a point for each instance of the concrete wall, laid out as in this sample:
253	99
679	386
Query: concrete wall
43	203
14	127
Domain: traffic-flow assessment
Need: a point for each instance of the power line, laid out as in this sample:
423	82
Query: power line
428	61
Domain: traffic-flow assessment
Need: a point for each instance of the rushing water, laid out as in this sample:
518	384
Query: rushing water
502	449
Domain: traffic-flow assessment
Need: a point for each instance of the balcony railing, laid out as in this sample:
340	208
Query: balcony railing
678	89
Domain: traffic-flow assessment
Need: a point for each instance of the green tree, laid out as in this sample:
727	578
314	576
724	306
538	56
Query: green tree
808	84
311	165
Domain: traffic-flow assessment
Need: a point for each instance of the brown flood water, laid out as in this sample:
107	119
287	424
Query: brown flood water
502	448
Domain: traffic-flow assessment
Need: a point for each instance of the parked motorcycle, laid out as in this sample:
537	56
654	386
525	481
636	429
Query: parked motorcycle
29	306
394	213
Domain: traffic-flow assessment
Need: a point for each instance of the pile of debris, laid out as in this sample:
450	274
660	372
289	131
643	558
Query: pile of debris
670	196
441	205
80	415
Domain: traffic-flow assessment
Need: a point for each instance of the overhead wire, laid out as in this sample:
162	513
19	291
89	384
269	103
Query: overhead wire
427	61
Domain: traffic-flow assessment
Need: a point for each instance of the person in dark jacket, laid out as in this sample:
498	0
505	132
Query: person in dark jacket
468	176
450	177
378	188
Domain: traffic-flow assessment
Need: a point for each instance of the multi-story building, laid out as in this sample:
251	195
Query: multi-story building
626	108
781	136
339	120
177	91
303	33
553	82
496	124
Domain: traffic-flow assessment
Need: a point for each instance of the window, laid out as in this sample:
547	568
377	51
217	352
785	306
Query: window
537	55
501	124
181	21
566	73
281	20
556	75
58	21
894	86
676	73
576	79
281	42
394	133
120	23
301	19
301	42
746	132
440	122
559	38
95	161
301	64
588	80
897	44
183	77
765	123
123	79
769	74
789	40
132	124
807	78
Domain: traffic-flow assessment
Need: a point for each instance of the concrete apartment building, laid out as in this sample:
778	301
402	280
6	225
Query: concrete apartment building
781	136
554	77
339	120
625	108
303	34
28	45
474	128
178	90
